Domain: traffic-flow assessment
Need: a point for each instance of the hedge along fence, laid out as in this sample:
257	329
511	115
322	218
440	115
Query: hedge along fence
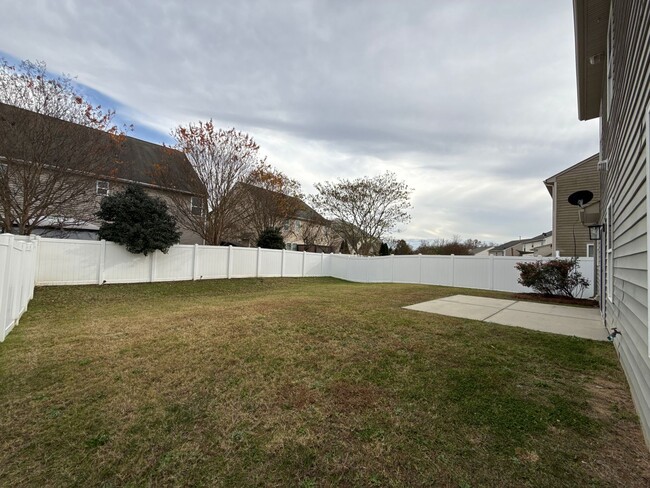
25	262
18	260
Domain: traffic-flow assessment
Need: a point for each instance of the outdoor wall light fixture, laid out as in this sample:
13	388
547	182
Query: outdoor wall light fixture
595	232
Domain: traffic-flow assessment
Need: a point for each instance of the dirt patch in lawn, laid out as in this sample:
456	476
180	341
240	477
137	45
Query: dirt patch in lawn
558	300
623	445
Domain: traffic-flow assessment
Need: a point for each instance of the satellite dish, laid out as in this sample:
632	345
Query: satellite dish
580	198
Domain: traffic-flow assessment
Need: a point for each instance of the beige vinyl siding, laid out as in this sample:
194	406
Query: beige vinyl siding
623	143
583	176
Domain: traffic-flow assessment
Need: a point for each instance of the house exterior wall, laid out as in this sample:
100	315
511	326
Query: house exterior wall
624	143
88	230
584	176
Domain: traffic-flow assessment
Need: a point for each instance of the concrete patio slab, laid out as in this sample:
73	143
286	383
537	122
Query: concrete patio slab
456	309
556	319
559	310
488	302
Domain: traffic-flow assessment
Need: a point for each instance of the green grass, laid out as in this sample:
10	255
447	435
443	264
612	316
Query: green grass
303	382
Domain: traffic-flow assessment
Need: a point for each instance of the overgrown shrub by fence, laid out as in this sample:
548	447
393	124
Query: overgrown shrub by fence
18	258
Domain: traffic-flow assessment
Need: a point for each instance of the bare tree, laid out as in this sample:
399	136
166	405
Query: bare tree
222	159
53	144
365	209
270	198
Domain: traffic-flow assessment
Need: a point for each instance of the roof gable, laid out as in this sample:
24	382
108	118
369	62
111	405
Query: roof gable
131	159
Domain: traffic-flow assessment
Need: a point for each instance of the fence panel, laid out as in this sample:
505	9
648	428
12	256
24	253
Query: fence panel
437	270
271	263
212	262
406	269
68	262
472	272
292	264
244	262
176	265
314	264
338	266
121	266
380	269
18	263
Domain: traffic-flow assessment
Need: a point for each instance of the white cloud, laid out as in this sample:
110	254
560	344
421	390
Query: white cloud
473	103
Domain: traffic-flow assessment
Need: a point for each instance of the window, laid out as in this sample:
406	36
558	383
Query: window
590	250
197	206
102	188
286	225
609	265
3	168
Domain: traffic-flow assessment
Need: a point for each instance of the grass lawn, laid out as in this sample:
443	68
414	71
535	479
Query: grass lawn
303	382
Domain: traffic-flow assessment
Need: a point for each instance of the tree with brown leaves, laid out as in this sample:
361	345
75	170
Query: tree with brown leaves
222	160
53	144
269	199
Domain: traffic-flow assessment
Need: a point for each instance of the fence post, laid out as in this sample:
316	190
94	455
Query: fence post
195	262
37	262
491	272
282	265
258	266
229	272
304	253
4	295
37	249
392	268
420	267
322	259
453	270
102	262
152	276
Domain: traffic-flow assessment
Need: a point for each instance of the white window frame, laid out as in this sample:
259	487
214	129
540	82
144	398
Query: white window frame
609	250
194	206
100	190
593	250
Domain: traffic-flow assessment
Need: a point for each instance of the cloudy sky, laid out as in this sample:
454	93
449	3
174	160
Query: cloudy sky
472	102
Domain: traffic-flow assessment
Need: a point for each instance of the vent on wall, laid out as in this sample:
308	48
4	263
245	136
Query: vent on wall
602	164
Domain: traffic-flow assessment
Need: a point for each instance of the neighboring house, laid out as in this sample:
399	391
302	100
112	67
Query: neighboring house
130	161
481	251
537	246
303	229
540	245
570	234
613	68
510	248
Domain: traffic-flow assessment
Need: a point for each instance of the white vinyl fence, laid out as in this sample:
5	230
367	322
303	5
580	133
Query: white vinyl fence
482	272
25	262
18	257
78	262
